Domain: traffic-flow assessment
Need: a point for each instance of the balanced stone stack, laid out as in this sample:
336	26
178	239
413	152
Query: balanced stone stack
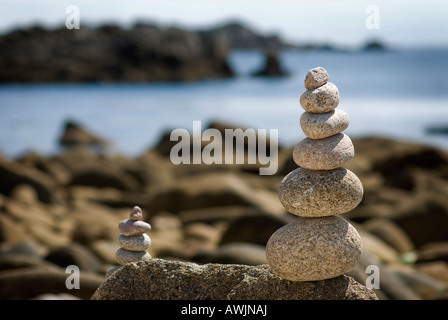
319	244
133	240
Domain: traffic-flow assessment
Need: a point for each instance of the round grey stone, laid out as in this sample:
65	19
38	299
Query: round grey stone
124	256
134	243
130	227
320	100
313	249
318	193
324	154
323	125
316	77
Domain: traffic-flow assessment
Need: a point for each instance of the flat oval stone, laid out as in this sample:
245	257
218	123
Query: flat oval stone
324	154
134	243
133	227
316	77
320	100
124	256
313	249
323	125
318	193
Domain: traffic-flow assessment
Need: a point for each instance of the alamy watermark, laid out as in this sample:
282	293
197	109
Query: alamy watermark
373	18
373	281
73	20
230	149
72	281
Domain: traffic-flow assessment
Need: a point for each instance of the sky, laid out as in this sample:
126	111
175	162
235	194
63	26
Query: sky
412	23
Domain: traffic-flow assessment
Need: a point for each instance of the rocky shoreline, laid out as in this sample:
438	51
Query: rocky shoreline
64	210
146	52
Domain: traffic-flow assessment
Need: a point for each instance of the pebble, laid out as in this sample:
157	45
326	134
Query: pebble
134	243
316	77
324	154
130	227
317	193
136	214
323	125
124	256
313	249
320	100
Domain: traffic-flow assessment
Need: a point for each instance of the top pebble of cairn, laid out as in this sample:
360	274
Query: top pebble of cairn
316	77
136	214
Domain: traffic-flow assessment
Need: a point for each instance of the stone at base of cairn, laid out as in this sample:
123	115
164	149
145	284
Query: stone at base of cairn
312	249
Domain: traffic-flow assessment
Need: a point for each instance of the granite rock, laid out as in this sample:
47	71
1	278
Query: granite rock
320	100
316	77
313	249
323	125
160	279
324	154
317	193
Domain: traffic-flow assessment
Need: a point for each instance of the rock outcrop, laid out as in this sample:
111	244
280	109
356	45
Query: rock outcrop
143	53
160	279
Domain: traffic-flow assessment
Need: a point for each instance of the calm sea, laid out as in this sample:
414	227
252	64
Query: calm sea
397	94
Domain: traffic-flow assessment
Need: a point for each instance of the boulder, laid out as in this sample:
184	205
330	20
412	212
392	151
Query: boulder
434	251
425	221
436	269
234	253
426	286
254	228
390	233
75	135
14	174
20	260
400	157
108	53
160	279
74	254
11	231
27	283
272	66
211	190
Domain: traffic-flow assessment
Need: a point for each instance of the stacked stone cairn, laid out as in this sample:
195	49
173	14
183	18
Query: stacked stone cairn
319	244
133	240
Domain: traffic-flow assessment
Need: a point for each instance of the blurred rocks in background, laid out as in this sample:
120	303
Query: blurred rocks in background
64	209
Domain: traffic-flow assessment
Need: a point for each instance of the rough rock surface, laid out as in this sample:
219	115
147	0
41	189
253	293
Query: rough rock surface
323	125
316	77
160	279
312	249
324	154
320	100
317	193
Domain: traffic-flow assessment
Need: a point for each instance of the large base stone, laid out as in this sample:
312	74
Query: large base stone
160	279
312	249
